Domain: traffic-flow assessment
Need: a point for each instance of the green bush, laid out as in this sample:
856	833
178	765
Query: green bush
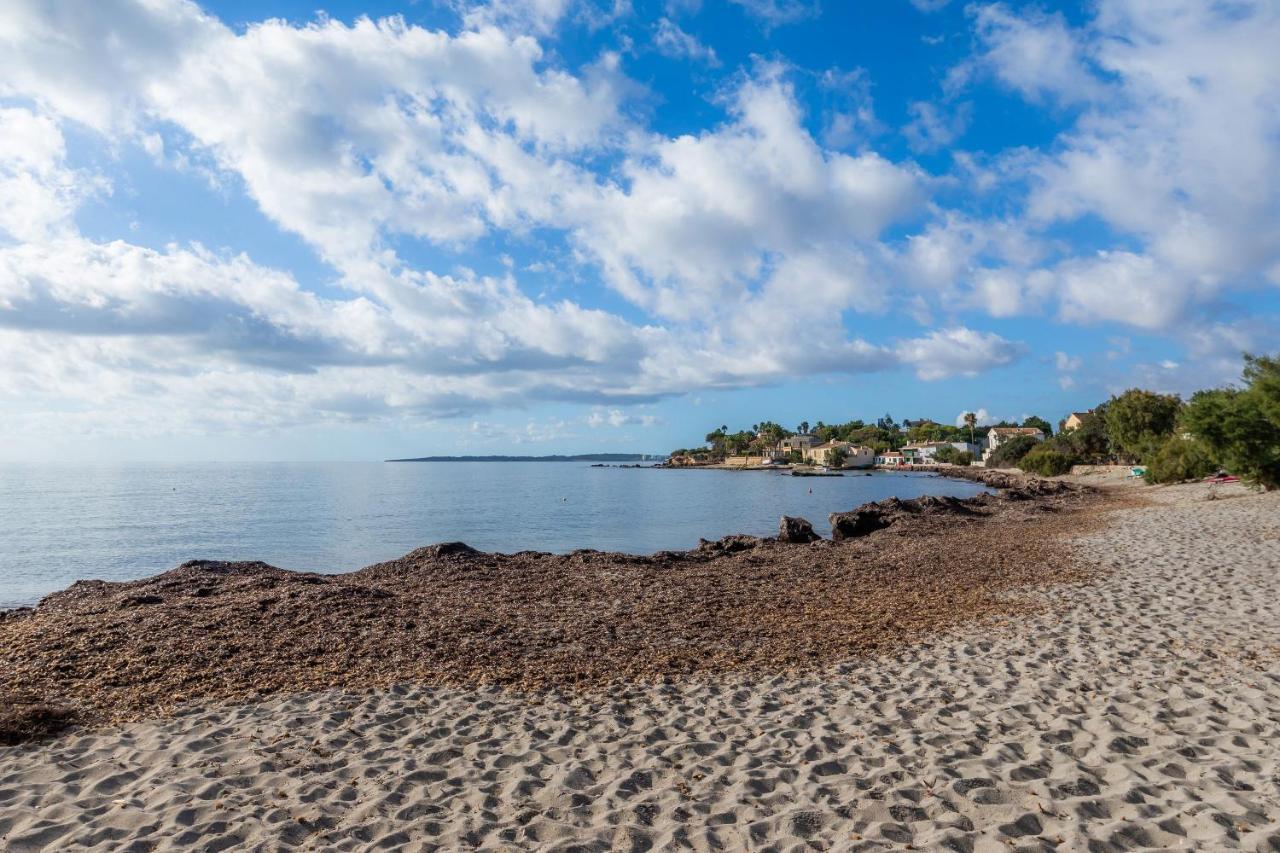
1236	427
1180	459
953	456
1138	422
1046	462
1009	454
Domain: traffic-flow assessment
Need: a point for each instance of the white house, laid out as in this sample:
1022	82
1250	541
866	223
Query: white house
997	436
923	453
891	458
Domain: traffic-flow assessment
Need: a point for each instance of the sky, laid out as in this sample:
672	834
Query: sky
239	230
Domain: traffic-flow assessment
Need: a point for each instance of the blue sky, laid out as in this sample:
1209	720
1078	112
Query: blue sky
258	230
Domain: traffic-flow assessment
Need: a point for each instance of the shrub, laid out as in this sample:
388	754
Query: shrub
1009	454
1180	459
1234	426
952	455
1087	443
1139	421
1046	462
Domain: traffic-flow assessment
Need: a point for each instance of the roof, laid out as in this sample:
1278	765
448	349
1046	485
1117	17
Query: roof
1080	415
1016	431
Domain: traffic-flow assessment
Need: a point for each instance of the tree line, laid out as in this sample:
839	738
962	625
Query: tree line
880	435
1234	429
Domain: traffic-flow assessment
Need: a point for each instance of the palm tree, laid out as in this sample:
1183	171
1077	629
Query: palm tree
803	428
971	421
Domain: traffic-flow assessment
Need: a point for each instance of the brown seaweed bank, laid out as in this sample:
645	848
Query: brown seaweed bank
447	614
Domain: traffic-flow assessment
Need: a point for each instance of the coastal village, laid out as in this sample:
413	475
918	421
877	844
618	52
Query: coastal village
857	445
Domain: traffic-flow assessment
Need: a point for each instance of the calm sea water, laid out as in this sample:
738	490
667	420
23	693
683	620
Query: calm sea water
121	522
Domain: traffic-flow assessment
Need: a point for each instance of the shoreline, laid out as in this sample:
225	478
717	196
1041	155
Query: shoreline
206	631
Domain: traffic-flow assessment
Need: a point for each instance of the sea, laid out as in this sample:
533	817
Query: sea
62	523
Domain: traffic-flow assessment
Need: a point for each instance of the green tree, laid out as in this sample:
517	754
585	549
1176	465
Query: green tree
971	421
1046	461
1262	373
1241	427
1180	459
836	457
1009	454
1087	444
1139	421
803	428
1040	424
953	456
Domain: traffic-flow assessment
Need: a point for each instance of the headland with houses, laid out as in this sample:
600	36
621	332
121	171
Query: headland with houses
913	445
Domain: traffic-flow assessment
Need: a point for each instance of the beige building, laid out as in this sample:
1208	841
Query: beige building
855	456
1075	420
798	443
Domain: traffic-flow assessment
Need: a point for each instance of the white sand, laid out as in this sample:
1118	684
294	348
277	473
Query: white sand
1141	711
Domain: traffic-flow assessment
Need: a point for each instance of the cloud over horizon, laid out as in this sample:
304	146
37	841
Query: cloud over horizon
753	246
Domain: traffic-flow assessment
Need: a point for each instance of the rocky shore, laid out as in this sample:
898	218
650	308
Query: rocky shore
894	571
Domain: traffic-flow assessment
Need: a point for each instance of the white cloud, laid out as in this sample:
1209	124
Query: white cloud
617	418
1066	362
1174	149
700	217
775	13
1034	53
957	352
672	41
984	417
931	129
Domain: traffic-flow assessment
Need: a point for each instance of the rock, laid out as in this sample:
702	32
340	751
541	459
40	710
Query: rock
871	517
447	549
796	530
730	544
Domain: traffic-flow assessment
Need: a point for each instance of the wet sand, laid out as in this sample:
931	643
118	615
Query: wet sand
1136	705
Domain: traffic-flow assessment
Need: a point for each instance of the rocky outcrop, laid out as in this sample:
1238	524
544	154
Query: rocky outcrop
797	531
729	544
871	517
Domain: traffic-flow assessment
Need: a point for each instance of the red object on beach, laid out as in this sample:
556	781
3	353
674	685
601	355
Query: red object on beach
1222	478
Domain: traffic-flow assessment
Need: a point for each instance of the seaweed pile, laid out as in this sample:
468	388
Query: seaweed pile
102	652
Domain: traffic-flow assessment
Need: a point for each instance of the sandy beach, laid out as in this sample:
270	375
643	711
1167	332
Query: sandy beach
1128	700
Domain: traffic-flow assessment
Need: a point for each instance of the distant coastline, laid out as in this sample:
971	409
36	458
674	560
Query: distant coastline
582	457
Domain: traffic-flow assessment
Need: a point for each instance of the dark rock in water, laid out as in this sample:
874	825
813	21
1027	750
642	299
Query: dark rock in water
871	517
796	530
729	544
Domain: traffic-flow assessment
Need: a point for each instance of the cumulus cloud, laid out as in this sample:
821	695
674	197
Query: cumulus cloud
618	418
700	217
957	352
746	251
1174	151
933	127
774	13
984	417
1035	53
673	41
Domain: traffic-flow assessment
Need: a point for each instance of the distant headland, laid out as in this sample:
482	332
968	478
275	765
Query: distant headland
582	457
